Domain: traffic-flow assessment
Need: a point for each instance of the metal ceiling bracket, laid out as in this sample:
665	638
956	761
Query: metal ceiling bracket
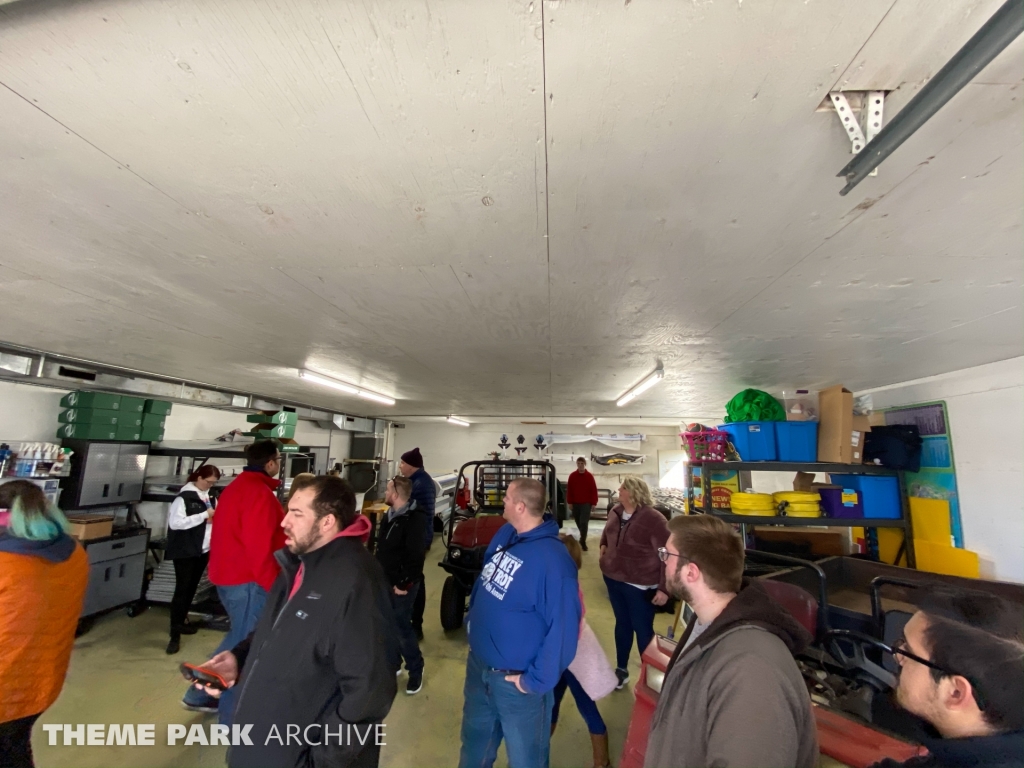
848	120
873	114
994	36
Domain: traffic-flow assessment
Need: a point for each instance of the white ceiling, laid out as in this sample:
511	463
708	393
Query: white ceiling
228	191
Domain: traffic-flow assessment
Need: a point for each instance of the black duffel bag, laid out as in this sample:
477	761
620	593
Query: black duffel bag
897	446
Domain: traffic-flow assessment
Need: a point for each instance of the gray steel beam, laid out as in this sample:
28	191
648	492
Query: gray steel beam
995	34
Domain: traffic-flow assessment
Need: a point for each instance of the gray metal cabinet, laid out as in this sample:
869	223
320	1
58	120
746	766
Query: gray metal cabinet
131	471
104	473
117	569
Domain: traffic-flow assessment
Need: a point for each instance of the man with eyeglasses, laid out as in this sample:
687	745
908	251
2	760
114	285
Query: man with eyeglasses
961	669
732	694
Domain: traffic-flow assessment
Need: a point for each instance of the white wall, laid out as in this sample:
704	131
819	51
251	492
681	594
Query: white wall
446	447
27	413
986	420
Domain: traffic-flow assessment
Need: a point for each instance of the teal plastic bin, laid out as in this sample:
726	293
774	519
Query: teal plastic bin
796	440
754	440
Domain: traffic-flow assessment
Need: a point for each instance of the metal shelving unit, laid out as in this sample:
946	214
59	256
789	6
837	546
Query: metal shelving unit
868	523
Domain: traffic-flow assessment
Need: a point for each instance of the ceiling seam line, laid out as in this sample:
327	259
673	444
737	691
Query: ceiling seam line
547	196
863	46
72	131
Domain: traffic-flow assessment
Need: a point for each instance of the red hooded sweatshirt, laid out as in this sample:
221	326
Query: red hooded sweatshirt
247	532
359	528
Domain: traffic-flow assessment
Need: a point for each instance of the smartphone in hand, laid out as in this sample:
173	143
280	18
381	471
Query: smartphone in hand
206	677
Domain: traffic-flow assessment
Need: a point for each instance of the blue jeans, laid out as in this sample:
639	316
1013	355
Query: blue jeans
585	704
410	647
634	615
495	709
244	604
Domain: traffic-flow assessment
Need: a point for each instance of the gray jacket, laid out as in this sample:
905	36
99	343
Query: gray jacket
735	697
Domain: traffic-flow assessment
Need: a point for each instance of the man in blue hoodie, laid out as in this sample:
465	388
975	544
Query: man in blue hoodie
523	624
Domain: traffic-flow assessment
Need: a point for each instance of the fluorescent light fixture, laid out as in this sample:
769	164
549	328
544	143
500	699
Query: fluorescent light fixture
590	423
649	381
460	422
366	394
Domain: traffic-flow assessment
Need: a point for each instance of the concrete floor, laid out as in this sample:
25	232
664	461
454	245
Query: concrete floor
120	674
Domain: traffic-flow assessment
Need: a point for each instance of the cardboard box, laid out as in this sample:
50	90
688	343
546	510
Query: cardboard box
101	400
129	432
88	431
157	406
88	416
87	527
150	420
132	404
835	425
724	483
273	417
861	426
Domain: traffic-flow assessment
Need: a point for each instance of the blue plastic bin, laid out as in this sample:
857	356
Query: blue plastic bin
796	440
754	440
880	496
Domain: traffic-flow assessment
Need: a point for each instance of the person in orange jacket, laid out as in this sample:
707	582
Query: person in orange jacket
43	577
242	564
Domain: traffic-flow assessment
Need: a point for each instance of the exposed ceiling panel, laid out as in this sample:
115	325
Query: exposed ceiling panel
230	191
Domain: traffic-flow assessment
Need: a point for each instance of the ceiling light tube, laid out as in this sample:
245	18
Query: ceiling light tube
649	381
366	394
590	423
460	422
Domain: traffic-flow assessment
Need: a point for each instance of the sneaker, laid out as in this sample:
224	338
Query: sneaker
583	546
623	676
204	708
415	683
399	672
173	646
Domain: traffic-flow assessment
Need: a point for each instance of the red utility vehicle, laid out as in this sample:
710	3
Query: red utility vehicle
468	532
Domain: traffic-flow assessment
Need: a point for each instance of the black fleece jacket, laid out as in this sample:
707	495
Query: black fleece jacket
402	547
327	656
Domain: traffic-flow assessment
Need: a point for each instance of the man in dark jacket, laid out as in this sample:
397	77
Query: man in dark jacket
732	695
400	552
523	624
324	654
424	493
962	671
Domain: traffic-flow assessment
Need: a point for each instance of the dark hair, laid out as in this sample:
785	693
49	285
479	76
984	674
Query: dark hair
300	482
713	546
205	471
531	492
975	608
575	550
333	496
977	635
581	459
403	486
260	452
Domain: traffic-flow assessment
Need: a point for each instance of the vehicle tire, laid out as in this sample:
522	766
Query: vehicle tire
453	605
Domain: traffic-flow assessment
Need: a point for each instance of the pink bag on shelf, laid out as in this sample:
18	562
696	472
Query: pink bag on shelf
591	667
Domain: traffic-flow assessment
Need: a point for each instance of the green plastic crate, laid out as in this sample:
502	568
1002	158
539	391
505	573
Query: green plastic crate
271	430
130	432
132	404
102	400
152	434
153	420
88	431
88	416
280	417
157	406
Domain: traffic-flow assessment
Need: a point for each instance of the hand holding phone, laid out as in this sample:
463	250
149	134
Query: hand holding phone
206	677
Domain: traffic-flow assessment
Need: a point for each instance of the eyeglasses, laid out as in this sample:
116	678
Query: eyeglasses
899	648
664	555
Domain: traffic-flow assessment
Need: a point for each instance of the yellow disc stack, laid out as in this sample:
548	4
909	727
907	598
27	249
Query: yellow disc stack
756	504
799	503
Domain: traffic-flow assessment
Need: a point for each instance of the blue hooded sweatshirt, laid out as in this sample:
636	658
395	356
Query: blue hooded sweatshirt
524	612
424	494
